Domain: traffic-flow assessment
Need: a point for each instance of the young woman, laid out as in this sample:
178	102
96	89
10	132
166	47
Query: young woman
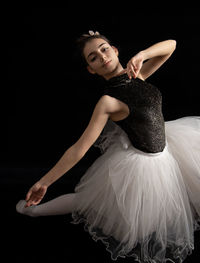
141	197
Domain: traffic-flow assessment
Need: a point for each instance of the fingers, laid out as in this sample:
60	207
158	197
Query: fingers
132	70
134	65
28	195
32	201
35	194
28	203
29	198
32	198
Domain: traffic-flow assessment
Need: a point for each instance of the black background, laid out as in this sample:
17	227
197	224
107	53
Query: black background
49	98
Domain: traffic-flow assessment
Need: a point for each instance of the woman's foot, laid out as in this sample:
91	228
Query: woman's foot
29	211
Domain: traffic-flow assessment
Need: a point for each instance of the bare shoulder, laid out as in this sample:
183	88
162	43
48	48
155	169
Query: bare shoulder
111	104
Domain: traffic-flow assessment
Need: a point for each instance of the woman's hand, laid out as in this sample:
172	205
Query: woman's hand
134	65
35	194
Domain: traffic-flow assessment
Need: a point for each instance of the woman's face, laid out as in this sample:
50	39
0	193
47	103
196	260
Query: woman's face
102	58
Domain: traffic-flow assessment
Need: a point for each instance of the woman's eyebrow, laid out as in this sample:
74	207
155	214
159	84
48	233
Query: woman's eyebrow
93	52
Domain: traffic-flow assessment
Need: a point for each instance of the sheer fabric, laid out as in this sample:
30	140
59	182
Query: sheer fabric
144	205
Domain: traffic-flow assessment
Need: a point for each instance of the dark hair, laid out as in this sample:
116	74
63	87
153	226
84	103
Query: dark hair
83	39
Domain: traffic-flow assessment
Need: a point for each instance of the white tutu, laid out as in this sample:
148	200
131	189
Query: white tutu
141	204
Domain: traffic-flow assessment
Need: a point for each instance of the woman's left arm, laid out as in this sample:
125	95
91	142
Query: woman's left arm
155	55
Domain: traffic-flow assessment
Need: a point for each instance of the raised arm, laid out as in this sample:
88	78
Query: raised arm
155	55
75	153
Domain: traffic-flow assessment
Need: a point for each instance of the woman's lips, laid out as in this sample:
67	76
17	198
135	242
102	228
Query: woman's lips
106	63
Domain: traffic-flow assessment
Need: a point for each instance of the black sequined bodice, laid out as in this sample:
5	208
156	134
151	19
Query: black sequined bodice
145	123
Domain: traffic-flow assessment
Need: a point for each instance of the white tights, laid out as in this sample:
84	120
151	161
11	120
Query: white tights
61	205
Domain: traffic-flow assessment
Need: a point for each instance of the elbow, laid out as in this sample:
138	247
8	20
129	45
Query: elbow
80	154
78	151
75	153
173	44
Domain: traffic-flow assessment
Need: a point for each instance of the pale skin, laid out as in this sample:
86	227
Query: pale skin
102	59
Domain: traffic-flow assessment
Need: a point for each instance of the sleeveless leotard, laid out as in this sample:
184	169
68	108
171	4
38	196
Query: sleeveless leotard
145	124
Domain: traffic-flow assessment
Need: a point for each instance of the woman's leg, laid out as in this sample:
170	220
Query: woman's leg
61	205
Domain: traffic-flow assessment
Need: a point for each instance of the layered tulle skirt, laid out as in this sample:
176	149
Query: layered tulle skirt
140	204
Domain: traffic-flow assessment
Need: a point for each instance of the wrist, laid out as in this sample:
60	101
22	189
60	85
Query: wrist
144	54
44	182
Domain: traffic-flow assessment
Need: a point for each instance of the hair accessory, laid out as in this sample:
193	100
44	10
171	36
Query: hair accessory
91	33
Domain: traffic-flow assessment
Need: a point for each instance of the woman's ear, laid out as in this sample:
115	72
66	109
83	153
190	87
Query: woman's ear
91	70
116	50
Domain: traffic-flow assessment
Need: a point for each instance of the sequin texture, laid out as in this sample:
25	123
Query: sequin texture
145	124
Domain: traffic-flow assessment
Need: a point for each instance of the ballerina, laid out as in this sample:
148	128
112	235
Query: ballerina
141	197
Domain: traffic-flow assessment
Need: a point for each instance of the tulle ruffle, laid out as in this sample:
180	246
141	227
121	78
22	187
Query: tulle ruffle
143	205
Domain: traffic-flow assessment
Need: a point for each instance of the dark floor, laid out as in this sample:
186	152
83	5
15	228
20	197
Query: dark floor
53	238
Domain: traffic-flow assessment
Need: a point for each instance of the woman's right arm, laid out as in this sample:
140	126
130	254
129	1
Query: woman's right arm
66	162
75	153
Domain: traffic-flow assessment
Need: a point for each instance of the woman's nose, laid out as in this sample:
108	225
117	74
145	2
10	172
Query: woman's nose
103	57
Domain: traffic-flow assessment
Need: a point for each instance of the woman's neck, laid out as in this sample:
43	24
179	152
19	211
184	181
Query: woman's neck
119	70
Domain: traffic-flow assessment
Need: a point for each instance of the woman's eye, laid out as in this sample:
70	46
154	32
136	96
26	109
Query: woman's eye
93	59
105	48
